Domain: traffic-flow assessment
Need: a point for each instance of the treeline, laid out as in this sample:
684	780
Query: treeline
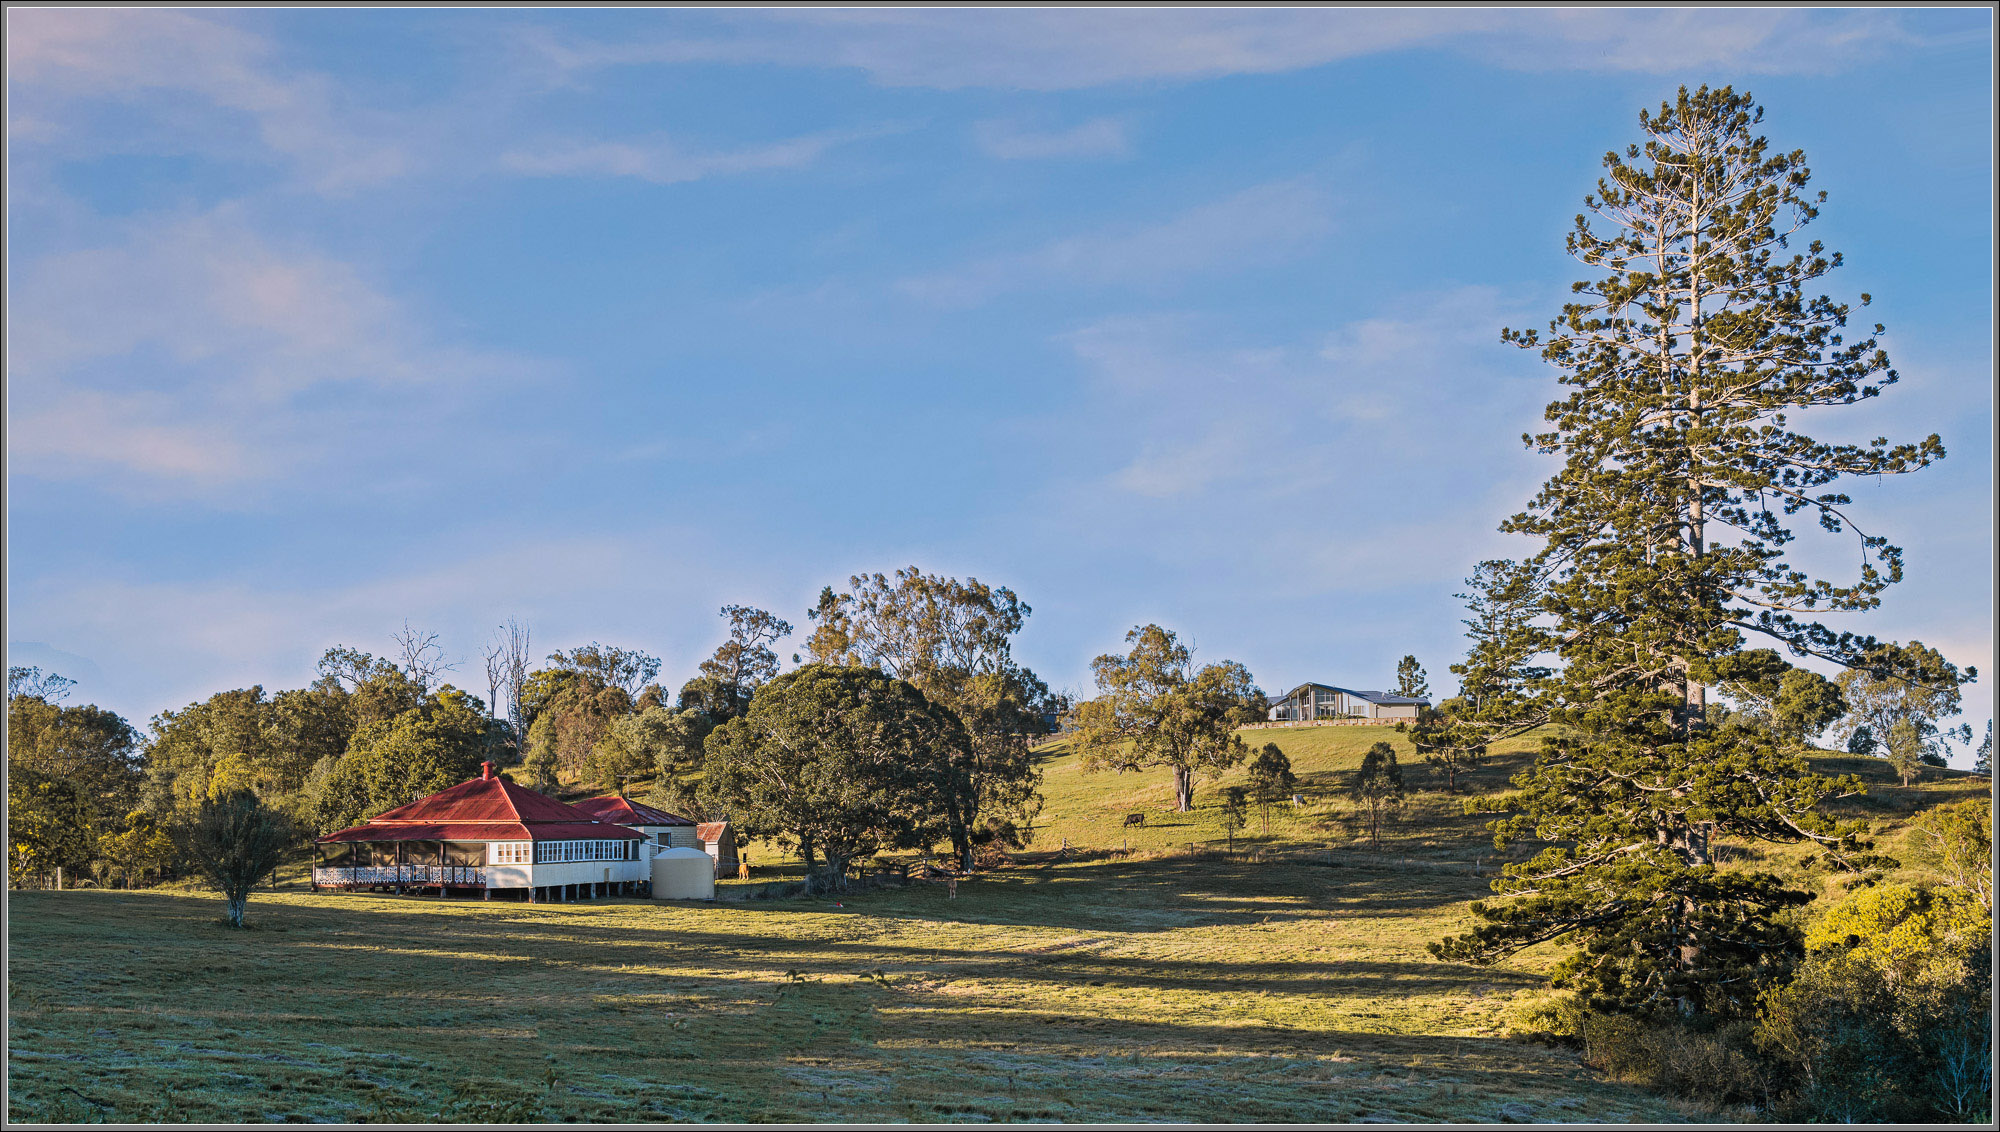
925	661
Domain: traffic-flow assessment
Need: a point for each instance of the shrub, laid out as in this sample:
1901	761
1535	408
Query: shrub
1719	1066
1889	1018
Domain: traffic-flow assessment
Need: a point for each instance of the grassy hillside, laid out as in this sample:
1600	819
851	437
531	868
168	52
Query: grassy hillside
1089	808
1288	982
1110	988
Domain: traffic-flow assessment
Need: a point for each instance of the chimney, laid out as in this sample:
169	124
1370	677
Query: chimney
485	770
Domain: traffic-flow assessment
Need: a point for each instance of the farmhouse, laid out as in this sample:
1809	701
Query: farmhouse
487	835
1324	701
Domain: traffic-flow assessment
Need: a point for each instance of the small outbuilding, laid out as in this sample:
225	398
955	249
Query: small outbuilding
719	842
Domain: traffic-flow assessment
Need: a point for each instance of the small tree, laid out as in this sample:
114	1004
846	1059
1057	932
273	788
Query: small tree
1234	801
1982	759
1379	787
1906	749
236	841
1155	709
1411	679
1957	842
1271	778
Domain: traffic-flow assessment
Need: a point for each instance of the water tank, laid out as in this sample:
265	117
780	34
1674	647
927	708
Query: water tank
683	874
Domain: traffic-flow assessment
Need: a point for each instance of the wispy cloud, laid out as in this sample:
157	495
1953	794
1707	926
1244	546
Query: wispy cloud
205	80
1280	451
165	643
180	352
1010	140
1066	49
663	162
1260	224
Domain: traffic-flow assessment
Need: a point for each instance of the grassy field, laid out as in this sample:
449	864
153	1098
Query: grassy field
1104	989
1286	982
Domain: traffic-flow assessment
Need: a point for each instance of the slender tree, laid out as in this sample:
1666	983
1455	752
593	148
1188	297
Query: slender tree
1235	803
1661	544
1271	778
1411	679
1378	787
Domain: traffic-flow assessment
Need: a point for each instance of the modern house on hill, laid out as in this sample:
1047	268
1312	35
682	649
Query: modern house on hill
483	836
1324	701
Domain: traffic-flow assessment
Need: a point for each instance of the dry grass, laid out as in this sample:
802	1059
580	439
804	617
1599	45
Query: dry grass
1189	988
1286	982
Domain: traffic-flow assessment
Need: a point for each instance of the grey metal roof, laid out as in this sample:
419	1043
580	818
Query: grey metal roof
1383	698
1388	698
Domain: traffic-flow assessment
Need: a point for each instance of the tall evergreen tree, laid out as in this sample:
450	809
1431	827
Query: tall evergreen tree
1411	680
1660	546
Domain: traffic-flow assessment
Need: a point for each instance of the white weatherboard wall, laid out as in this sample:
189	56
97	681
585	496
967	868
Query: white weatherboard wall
566	872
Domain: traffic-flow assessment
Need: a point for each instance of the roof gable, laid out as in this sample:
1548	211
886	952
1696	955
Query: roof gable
624	811
484	800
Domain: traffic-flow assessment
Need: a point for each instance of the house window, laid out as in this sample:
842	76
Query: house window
513	852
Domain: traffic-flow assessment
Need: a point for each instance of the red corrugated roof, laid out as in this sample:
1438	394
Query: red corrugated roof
485	831
710	830
624	811
485	799
485	809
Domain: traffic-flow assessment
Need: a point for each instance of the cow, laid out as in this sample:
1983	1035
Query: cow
1135	819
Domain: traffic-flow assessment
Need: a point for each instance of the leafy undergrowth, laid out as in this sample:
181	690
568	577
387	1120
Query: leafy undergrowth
1106	988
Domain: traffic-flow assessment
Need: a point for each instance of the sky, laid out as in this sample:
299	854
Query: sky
324	322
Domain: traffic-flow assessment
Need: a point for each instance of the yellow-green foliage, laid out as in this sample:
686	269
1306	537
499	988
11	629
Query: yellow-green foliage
1900	930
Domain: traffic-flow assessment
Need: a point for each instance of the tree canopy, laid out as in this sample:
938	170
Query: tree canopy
837	761
953	640
1154	708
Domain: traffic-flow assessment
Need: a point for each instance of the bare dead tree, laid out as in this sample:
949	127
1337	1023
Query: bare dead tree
495	656
423	658
514	648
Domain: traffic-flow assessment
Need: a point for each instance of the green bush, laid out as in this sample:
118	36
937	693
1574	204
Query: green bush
1889	1017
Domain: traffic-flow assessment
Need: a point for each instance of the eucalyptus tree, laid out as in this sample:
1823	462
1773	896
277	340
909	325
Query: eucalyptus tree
1911	684
1154	708
1660	545
837	761
953	639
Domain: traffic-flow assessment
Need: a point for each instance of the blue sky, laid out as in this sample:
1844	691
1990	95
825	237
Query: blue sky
320	321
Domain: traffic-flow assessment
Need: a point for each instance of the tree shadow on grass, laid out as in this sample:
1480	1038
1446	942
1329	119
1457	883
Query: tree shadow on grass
464	992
